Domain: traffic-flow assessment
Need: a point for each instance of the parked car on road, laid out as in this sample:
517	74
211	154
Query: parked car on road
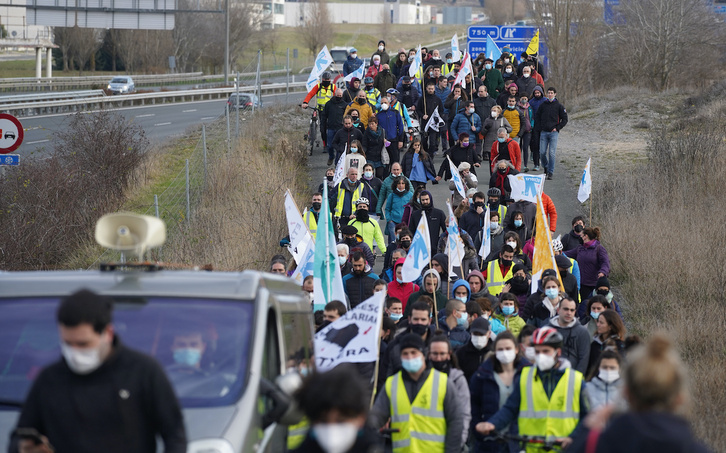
245	101
121	85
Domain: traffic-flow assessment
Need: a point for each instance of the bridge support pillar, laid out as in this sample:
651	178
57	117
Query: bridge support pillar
49	62
38	62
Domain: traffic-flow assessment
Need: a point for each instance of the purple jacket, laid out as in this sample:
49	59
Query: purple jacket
592	260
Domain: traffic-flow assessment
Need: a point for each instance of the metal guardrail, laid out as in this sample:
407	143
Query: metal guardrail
42	97
128	100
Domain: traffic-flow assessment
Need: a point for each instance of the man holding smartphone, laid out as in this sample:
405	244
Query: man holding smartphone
101	396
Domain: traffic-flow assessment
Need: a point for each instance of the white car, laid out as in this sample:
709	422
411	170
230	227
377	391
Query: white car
121	85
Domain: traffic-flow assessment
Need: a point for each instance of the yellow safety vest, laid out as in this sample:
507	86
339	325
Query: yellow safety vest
495	279
296	434
502	211
311	222
421	425
446	69
325	94
373	97
554	417
341	198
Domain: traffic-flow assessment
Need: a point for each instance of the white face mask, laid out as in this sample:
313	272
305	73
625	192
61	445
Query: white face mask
512	244
494	114
479	341
609	376
472	110
544	362
381	48
384	106
335	437
507	356
342	260
82	361
529	353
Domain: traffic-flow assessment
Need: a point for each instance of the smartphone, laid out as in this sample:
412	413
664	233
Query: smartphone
30	434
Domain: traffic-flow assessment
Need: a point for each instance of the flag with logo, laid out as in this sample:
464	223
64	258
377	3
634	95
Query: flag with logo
456	177
455	52
435	122
340	168
526	187
299	233
533	47
585	189
493	51
358	74
464	70
544	256
352	338
416	63
305	264
327	280
454	244
322	61
419	254
486	237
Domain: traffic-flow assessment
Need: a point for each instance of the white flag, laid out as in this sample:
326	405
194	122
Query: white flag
352	338
585	184
454	244
340	168
327	280
486	237
358	73
305	262
419	254
464	70
455	53
526	187
456	177
322	61
300	236
415	64
435	121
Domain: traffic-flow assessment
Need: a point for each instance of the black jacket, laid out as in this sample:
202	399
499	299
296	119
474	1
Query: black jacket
570	241
470	358
483	107
359	287
373	144
120	407
331	117
459	155
437	224
344	137
472	222
550	115
432	102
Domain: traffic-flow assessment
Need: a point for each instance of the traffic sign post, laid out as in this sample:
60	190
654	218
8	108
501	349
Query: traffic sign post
514	36
11	133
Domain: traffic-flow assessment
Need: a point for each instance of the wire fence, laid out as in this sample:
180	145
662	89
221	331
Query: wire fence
175	205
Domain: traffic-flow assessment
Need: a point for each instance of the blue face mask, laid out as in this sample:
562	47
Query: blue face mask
395	316
517	223
351	181
594	315
354	150
461	320
552	292
187	356
501	140
449	61
507	310
463	299
412	365
399	281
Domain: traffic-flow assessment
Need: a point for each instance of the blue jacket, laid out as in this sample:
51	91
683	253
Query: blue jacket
351	64
463	123
395	204
443	94
390	120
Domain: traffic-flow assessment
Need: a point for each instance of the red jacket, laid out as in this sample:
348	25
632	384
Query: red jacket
550	211
401	291
515	154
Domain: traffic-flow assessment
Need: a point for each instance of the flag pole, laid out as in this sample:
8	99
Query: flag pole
378	360
590	208
436	313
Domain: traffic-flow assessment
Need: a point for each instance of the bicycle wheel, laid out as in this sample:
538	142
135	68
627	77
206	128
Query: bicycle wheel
312	135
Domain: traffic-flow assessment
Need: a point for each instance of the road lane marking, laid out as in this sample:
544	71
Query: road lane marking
208	118
163	124
37	141
189	111
144	116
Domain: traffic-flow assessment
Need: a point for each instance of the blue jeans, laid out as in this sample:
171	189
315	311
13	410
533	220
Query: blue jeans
547	150
391	231
331	151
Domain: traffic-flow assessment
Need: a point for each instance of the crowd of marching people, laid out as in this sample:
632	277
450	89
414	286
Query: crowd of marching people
478	355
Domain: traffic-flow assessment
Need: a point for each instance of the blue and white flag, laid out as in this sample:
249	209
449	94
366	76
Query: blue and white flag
585	184
456	177
486	237
455	52
327	280
526	187
493	51
419	254
358	74
340	167
416	63
454	244
299	233
305	263
322	61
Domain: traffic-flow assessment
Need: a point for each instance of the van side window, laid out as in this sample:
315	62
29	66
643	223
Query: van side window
298	341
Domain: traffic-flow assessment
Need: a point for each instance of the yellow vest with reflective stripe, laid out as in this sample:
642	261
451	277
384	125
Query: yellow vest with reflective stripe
341	198
554	417
296	434
325	94
495	279
373	97
421	425
446	69
311	222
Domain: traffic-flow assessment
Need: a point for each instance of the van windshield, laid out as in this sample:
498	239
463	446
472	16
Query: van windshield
339	56
202	344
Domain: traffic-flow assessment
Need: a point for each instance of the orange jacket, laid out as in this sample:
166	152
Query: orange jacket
550	211
515	154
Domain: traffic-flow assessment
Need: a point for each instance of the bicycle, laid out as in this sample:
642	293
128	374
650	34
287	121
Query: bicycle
311	136
543	443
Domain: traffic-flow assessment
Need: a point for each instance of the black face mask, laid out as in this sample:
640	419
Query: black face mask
384	71
602	292
351	241
406	244
317	205
419	329
441	365
502	170
329	177
426	207
505	263
578	228
325	83
406	86
361	101
361	215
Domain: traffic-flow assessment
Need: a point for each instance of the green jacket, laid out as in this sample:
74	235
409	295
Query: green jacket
494	81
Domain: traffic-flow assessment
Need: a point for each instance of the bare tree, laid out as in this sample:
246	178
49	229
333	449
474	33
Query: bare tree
62	37
317	29
84	43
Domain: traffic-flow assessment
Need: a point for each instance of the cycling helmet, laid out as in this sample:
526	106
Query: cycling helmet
494	192
393	91
556	245
327	75
368	80
547	336
362	200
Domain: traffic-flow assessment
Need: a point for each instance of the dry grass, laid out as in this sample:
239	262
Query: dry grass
241	219
665	226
